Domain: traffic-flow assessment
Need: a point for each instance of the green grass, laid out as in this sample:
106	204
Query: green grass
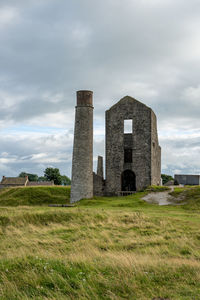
189	196
34	195
104	248
155	188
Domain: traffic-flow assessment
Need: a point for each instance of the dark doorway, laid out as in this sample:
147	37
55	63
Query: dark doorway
128	181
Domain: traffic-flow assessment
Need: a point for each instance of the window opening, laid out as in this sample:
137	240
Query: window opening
128	126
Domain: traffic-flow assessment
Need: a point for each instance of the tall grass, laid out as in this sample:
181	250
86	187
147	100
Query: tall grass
105	248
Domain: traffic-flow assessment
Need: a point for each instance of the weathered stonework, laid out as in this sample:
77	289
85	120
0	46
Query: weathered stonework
133	160
155	153
82	163
98	179
98	185
100	166
142	165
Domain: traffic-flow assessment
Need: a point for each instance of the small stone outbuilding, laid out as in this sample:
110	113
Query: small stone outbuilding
13	181
22	181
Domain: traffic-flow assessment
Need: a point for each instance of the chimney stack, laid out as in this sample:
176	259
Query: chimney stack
82	163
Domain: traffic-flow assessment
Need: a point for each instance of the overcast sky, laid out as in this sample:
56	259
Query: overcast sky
49	49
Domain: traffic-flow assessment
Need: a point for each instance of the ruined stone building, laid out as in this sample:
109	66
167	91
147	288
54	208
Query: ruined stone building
133	154
13	181
22	181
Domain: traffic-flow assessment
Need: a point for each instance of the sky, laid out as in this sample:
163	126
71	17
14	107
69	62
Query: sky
49	49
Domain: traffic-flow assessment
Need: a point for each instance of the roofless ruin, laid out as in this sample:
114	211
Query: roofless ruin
133	154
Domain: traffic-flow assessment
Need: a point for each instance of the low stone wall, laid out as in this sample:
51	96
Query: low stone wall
98	185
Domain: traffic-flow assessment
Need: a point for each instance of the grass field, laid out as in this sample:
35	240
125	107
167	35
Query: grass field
104	248
42	195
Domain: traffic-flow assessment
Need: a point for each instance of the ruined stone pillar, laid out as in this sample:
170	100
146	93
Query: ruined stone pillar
100	166
82	163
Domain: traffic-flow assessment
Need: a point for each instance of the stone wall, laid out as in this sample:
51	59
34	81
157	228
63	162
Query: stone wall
155	153
100	166
82	163
145	155
98	185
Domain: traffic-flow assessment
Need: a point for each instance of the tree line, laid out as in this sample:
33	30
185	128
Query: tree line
49	174
54	174
166	178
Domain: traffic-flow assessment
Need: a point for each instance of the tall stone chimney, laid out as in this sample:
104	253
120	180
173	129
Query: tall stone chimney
82	163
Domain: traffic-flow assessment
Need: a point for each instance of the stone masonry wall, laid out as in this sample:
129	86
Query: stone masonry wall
98	185
82	163
128	108
155	153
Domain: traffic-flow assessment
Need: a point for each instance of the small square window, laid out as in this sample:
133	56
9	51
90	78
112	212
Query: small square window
128	126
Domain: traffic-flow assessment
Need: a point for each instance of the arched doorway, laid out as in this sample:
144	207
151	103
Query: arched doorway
128	181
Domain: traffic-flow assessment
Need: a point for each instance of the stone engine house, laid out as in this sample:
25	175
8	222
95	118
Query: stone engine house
133	154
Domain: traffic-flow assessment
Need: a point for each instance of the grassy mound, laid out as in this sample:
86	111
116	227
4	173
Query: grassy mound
189	196
155	188
34	195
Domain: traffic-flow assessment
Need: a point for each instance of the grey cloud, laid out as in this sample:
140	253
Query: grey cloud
180	154
33	153
139	48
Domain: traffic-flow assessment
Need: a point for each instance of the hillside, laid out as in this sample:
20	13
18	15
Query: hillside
105	248
41	195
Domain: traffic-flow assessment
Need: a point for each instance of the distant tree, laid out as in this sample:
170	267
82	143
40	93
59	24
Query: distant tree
42	178
53	174
166	178
65	180
23	174
31	177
